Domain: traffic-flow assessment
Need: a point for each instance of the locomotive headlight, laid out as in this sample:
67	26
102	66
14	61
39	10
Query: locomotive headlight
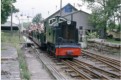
68	22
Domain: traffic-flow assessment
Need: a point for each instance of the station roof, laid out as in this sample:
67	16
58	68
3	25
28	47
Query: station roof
8	24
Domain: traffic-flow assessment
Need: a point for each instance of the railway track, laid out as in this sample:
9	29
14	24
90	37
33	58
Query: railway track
48	65
89	71
108	61
103	72
82	69
84	72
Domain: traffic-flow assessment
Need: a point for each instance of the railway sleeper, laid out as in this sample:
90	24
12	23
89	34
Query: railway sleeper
74	75
103	66
59	64
69	70
64	67
98	63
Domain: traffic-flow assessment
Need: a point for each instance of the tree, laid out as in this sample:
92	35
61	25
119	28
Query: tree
6	6
103	12
37	19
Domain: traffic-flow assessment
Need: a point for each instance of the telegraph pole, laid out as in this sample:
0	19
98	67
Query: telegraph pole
11	17
19	26
60	7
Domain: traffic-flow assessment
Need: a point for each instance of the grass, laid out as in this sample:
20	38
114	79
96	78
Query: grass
23	66
3	49
13	38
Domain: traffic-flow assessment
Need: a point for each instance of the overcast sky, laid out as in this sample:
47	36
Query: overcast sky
32	7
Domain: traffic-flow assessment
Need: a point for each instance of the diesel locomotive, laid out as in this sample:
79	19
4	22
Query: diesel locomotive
59	38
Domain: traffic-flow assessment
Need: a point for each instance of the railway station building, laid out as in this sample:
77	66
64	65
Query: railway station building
7	26
71	13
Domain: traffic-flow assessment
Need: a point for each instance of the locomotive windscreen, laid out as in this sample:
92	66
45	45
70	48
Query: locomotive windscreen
68	31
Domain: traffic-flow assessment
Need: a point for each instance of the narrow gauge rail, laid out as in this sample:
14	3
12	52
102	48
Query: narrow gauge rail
113	61
48	65
95	72
44	59
101	71
108	61
90	71
84	72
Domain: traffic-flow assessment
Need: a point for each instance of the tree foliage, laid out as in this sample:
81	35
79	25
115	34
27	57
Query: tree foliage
37	19
6	9
105	13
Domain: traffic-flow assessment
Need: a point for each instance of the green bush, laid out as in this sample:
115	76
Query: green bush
91	35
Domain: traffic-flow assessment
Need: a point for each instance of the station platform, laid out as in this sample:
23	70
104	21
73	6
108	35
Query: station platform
9	63
8	52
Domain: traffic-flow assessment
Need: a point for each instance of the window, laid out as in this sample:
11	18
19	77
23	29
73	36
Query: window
68	8
62	19
80	27
52	20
